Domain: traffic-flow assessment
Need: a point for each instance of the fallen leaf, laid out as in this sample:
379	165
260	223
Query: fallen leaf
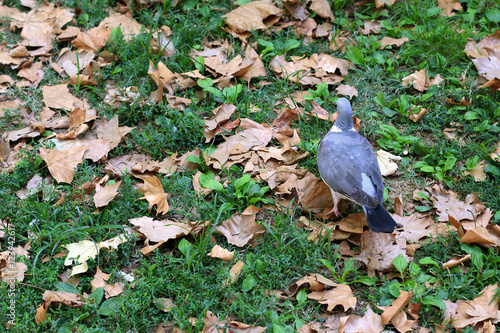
251	16
234	272
40	25
62	163
478	172
157	231
220	252
340	295
371	27
455	261
402	323
379	250
388	41
396	306
369	323
56	298
420	81
387	162
126	23
448	6
154	194
482	308
346	90
104	195
241	229
59	97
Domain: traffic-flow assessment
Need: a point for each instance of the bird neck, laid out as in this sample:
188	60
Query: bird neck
343	123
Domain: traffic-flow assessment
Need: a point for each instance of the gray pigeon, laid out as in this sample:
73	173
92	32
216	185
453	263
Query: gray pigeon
347	164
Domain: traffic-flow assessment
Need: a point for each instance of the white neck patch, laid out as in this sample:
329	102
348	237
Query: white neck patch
336	129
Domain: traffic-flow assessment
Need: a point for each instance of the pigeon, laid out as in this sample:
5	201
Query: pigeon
348	165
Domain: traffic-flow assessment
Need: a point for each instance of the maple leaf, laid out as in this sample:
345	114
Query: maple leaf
396	307
420	81
59	97
241	229
386	41
126	23
379	250
387	162
40	25
56	298
92	40
160	231
340	295
346	90
471	209
369	323
414	226
104	195
62	163
448	6
482	308
251	16
220	252
154	194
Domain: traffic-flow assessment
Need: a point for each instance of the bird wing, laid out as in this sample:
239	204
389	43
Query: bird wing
348	165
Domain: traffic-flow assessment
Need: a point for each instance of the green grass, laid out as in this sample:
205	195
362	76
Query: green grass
283	254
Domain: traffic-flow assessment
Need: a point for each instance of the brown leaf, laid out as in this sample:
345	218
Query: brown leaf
483	307
316	282
93	40
40	25
220	252
62	163
371	27
126	23
387	162
322	8
448	6
379	250
158	231
448	203
489	66
416	116
59	97
104	195
99	280
251	16
347	90
154	194
56	298
396	306
340	295
478	172
111	132
402	323
234	272
241	229
369	323
455	261
414	226
386	41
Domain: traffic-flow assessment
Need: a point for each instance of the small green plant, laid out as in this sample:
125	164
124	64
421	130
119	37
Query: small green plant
239	194
392	140
349	267
226	95
319	96
438	168
277	47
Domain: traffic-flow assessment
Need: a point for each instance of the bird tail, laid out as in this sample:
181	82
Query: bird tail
379	219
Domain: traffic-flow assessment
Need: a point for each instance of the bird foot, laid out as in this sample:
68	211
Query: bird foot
334	210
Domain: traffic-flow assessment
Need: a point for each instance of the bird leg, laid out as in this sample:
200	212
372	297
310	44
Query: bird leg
336	200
